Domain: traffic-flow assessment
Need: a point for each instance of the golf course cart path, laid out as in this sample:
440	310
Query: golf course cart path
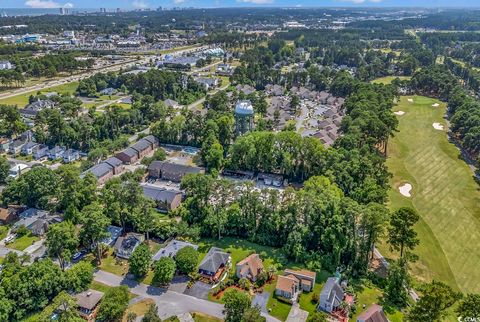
169	303
446	196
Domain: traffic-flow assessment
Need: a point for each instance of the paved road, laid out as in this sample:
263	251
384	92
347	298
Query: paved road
169	303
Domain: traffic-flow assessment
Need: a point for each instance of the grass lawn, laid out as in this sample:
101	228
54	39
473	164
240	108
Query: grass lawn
3	232
113	265
444	194
22	99
200	317
276	308
388	79
23	242
139	308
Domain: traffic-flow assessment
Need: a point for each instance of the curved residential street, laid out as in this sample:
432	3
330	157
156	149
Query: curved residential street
169	303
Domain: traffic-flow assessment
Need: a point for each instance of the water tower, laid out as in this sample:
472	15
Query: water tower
243	117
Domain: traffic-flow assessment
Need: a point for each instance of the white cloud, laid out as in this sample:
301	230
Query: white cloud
139	4
361	1
256	1
42	4
178	1
68	5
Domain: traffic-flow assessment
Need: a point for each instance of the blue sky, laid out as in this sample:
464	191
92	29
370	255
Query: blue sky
130	4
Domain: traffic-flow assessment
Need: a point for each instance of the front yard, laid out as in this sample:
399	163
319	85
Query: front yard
23	242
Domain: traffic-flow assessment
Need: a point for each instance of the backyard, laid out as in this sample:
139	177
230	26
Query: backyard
22	99
443	192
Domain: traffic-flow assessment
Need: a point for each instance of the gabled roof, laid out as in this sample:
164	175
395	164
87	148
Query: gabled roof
160	194
88	299
286	283
169	167
215	258
130	152
100	169
331	289
141	145
253	263
113	161
374	313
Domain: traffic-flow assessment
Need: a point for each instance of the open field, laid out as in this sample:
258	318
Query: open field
22	99
444	193
388	79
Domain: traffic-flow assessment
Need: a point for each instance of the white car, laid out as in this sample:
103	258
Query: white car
10	239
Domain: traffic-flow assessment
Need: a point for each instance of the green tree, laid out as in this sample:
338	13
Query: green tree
164	270
114	304
61	242
432	306
94	228
397	283
469	308
236	304
4	169
65	306
79	276
152	314
252	314
401	233
139	262
187	259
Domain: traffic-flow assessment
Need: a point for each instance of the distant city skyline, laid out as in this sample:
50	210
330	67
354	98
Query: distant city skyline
153	4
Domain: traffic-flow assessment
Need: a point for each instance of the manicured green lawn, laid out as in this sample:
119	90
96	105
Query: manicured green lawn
22	99
104	288
276	308
200	317
3	232
23	242
113	265
388	79
444	193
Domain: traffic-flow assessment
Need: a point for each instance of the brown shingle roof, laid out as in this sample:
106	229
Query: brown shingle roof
374	313
88	299
301	272
285	283
253	263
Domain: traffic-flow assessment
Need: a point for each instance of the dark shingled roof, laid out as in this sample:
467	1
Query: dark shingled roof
100	169
214	259
113	161
160	194
173	167
130	152
141	145
88	299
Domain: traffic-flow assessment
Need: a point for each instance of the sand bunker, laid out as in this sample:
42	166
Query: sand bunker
405	190
435	105
437	126
410	100
399	113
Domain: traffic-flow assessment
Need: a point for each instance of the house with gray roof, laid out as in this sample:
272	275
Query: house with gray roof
113	233
166	199
128	156
214	264
40	152
171	171
101	171
28	148
71	155
32	109
124	246
172	249
16	146
171	103
331	296
56	152
116	164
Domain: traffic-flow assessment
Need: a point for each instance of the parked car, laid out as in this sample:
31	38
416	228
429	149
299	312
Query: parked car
10	239
78	255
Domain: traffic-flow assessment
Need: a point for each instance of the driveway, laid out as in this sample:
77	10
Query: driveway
297	314
199	290
179	284
169	303
261	301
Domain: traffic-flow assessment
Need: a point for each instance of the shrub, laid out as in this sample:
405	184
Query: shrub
187	259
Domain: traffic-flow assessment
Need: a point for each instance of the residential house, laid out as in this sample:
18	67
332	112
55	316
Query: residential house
56	153
245	89
101	171
214	264
116	164
172	249
108	91
71	155
124	246
128	156
224	70
17	169
113	233
143	148
306	278
331	296
8	215
87	303
374	313
40	152
37	221
4	144
15	146
5	64
287	287
166	199
171	171
28	148
207	82
249	267
274	90
171	103
31	110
